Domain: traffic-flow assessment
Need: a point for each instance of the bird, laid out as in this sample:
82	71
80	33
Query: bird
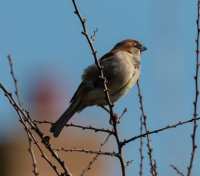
121	68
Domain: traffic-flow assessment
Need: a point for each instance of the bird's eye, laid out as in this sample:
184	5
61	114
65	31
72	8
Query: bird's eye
138	45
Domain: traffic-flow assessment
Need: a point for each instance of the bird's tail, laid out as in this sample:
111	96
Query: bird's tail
57	127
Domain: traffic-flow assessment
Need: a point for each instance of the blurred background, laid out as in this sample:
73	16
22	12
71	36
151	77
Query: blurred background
49	54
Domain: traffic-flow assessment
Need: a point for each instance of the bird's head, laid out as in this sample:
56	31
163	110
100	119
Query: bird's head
131	46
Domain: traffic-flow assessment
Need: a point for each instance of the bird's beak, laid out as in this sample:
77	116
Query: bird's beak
143	48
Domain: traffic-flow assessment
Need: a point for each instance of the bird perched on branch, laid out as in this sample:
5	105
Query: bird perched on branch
121	67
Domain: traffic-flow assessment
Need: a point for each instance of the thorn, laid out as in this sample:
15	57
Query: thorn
84	19
46	140
83	33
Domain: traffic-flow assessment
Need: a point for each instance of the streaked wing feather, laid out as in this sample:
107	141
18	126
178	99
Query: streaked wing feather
106	56
91	78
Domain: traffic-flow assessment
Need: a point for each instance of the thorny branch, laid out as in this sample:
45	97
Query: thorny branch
86	151
94	159
141	148
195	104
26	119
23	120
14	78
91	128
94	53
149	147
177	170
113	116
30	141
179	123
126	141
32	154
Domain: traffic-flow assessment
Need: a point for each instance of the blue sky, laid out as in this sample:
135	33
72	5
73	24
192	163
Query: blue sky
44	37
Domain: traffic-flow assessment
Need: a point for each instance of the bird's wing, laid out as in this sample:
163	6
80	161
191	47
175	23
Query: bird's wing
107	56
89	78
92	75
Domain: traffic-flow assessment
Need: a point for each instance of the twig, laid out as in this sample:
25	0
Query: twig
149	147
195	112
91	128
43	155
30	148
113	116
177	170
14	78
122	114
32	154
46	142
25	118
86	151
141	148
23	121
93	50
155	166
92	161
94	53
167	127
128	163
93	36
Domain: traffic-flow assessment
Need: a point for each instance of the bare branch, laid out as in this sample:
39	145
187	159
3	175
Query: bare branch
113	116
149	147
12	73
94	53
167	127
92	161
177	170
195	104
32	154
25	118
30	148
122	114
86	151
141	148
72	125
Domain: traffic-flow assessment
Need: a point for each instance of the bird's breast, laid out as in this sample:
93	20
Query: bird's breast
124	89
121	74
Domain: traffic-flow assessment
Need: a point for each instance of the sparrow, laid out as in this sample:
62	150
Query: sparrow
121	67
